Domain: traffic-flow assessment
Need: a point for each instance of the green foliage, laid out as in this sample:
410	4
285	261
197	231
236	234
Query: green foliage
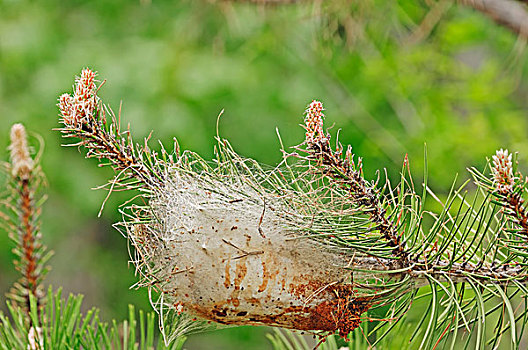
461	90
65	327
468	261
357	340
38	321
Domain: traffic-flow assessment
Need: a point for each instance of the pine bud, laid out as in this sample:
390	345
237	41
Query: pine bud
314	122
22	164
502	171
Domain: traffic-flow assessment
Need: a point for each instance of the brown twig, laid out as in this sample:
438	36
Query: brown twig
509	13
24	227
429	22
30	275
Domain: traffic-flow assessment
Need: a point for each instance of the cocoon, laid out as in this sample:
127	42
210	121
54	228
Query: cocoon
226	252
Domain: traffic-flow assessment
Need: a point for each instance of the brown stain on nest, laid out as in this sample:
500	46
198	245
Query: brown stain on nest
343	312
271	272
227	276
240	274
265	278
339	311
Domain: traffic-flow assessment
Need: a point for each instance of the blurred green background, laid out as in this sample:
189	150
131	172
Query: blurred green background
391	76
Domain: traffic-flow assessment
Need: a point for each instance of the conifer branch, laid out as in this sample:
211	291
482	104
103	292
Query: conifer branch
329	242
343	171
85	118
37	320
22	213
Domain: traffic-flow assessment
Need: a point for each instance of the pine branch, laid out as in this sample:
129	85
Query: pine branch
39	321
22	214
85	118
315	242
344	172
